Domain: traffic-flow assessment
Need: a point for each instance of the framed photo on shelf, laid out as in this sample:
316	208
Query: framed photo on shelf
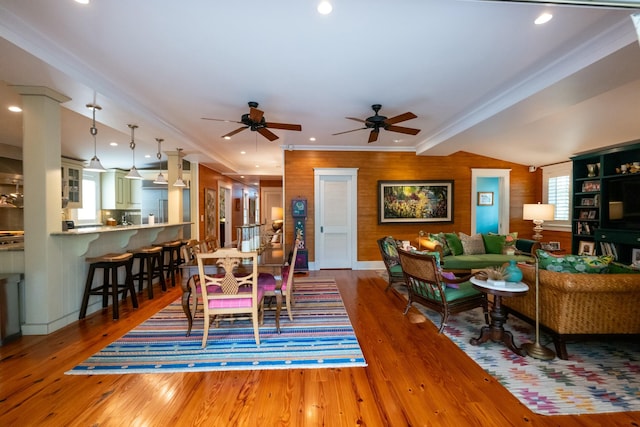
587	202
584	214
586	248
592	214
485	198
635	257
590	186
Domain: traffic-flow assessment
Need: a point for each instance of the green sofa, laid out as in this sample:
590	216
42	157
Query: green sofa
494	251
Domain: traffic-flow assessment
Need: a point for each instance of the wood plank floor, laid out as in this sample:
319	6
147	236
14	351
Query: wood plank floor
415	377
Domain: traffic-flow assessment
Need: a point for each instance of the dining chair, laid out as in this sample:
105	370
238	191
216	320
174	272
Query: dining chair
285	283
229	291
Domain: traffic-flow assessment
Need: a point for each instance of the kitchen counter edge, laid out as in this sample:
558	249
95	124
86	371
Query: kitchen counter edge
115	228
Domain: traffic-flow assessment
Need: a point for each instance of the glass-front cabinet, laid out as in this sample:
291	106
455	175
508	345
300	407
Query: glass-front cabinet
71	171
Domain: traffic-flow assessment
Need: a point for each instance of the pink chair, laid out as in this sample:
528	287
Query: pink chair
228	292
285	284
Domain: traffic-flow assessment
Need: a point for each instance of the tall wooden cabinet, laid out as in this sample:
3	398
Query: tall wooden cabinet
606	202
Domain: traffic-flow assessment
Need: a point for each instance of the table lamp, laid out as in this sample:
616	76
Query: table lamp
538	213
276	217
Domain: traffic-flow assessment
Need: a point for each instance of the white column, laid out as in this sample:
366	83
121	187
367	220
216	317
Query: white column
42	206
174	193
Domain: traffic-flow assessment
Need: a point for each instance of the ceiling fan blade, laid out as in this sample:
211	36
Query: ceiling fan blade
402	129
373	136
347	131
219	120
400	118
267	134
255	115
356	119
230	134
285	126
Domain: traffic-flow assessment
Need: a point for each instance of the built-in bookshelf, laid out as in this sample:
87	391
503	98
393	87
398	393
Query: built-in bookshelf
606	202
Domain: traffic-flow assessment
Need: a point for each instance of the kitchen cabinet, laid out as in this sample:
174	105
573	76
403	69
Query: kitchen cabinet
71	171
119	192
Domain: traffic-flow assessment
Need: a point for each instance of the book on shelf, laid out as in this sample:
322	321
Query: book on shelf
609	249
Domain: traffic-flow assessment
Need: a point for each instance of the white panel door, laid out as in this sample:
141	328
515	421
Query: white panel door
335	219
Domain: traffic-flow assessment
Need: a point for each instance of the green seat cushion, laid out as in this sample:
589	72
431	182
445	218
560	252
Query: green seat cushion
574	263
469	262
396	270
464	290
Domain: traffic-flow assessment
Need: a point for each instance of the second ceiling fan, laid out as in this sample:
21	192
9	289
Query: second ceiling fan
255	121
377	122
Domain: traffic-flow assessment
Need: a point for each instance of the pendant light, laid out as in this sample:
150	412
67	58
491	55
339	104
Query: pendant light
179	182
94	164
133	172
160	179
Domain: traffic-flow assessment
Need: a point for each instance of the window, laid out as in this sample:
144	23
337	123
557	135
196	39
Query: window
556	180
88	214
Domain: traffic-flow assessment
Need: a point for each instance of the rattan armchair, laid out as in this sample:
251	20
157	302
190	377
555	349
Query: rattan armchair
427	287
389	251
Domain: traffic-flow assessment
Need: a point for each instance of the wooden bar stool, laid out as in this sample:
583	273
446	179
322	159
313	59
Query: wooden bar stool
171	259
109	263
149	267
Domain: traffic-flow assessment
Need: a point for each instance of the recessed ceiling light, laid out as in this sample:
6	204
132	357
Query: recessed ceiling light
227	137
543	18
312	139
324	8
147	156
113	144
15	109
82	1
257	166
241	176
243	152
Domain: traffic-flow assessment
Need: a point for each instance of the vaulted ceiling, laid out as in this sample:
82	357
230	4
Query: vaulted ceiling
480	76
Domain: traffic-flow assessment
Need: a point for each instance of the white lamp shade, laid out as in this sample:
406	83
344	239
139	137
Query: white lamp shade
133	174
179	183
95	165
161	179
538	211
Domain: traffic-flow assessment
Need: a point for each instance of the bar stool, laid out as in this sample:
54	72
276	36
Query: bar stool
149	267
171	259
109	263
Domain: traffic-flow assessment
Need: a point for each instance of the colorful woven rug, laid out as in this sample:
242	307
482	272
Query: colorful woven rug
600	376
320	336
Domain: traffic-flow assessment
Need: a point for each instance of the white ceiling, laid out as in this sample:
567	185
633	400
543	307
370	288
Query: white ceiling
480	76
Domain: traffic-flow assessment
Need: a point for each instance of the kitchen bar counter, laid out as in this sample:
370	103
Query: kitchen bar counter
114	228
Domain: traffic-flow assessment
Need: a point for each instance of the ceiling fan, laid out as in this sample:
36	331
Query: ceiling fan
255	121
377	122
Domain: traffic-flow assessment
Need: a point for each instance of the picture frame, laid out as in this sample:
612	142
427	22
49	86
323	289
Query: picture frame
635	256
415	202
584	214
554	246
592	214
586	248
587	202
485	198
210	213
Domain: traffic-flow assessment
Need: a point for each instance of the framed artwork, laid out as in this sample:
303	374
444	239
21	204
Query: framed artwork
210	213
586	248
485	198
415	202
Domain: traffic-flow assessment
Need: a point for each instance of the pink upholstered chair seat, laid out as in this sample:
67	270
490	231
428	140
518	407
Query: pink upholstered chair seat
235	302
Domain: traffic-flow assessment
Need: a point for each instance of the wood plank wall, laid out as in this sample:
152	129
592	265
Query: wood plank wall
375	166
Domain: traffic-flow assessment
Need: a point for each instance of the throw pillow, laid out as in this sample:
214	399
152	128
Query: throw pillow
449	275
472	245
573	263
454	243
493	243
440	238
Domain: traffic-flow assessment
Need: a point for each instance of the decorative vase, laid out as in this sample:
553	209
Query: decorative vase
514	274
591	169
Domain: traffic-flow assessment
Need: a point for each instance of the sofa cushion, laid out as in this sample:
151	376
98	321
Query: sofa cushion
473	262
494	243
472	245
617	268
440	238
574	263
454	243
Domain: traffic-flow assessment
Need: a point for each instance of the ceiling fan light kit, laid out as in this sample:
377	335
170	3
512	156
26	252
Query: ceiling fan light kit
94	164
255	121
377	122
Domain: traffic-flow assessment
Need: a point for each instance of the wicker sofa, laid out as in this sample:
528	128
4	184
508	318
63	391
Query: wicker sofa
578	305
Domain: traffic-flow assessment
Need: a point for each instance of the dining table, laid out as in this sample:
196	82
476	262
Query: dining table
270	261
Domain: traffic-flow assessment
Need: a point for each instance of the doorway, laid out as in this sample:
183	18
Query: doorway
496	181
335	214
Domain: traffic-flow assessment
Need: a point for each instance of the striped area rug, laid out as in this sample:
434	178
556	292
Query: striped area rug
599	377
320	336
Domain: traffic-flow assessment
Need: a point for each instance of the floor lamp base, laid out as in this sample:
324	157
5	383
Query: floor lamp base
538	351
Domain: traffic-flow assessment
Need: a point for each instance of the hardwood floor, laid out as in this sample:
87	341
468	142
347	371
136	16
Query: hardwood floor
415	377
